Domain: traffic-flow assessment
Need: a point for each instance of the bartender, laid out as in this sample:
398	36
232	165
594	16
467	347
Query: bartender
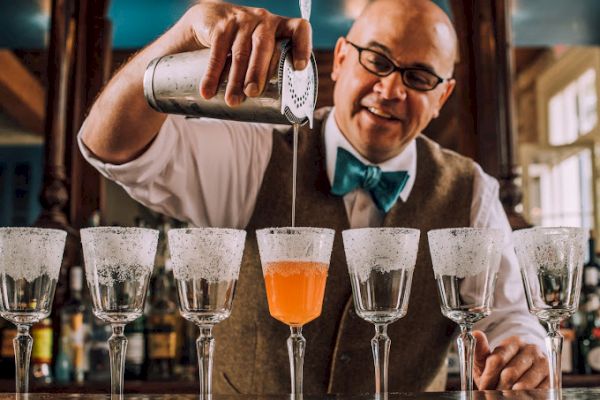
393	73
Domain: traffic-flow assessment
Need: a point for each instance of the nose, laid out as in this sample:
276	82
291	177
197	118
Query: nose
391	87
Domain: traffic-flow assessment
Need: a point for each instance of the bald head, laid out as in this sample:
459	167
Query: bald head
406	21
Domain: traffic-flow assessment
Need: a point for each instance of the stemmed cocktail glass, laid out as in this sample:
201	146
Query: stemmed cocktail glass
381	262
30	260
118	266
551	262
206	265
465	263
295	262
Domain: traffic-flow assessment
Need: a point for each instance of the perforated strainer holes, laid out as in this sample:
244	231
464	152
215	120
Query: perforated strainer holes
300	95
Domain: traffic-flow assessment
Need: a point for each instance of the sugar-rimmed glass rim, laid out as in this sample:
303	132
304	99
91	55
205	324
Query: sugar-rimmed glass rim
35	230
465	229
193	230
294	230
552	230
398	230
117	229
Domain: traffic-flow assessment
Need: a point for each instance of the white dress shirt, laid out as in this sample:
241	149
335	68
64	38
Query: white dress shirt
209	172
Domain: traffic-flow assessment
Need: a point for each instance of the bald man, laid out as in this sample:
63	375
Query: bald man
393	74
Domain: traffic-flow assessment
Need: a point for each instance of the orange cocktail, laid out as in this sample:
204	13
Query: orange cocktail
295	290
295	263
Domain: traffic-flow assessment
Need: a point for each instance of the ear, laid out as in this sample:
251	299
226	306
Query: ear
450	85
339	55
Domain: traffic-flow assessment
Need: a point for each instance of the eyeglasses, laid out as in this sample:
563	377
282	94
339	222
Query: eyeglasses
378	64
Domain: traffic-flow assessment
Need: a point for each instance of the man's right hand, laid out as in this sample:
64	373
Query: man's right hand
121	125
249	35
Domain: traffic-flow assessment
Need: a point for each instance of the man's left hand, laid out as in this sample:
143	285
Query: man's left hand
512	365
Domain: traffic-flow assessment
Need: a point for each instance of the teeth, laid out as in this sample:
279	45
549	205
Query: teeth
379	113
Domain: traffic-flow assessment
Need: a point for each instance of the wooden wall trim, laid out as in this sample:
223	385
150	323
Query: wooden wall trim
21	93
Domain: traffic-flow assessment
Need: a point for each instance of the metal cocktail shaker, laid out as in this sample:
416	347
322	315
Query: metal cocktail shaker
172	85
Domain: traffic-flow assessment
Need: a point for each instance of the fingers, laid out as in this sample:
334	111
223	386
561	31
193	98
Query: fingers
263	45
515	369
249	36
300	32
496	362
537	375
240	56
219	49
482	351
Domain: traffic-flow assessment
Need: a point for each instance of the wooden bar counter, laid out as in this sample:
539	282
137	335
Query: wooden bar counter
567	394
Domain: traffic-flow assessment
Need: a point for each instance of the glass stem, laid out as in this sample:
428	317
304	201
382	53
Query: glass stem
466	352
22	344
380	344
205	346
296	345
554	342
117	347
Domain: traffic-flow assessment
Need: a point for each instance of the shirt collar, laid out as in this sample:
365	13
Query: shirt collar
405	161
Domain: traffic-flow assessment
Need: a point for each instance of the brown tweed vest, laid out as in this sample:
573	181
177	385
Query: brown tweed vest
251	354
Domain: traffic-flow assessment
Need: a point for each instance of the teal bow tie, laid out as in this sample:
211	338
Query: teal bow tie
350	173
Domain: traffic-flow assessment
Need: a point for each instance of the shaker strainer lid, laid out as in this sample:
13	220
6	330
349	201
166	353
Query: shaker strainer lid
298	88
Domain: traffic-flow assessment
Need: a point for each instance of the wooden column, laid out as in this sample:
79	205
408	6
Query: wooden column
93	66
485	36
61	60
77	68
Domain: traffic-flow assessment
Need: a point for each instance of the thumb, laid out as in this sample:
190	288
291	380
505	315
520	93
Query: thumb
482	351
299	30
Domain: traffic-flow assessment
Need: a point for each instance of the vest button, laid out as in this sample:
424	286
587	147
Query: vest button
345	358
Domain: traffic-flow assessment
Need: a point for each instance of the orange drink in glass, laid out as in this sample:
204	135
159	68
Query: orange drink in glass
295	263
295	290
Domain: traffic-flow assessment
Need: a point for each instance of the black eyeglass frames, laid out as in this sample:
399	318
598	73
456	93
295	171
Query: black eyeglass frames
379	64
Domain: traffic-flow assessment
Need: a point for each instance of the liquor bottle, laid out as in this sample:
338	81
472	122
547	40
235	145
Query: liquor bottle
162	318
7	351
590	349
41	354
591	269
99	359
75	325
161	326
63	367
136	349
578	322
188	356
592	259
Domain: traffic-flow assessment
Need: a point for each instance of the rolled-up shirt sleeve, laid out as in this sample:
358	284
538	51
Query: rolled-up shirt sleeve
204	171
510	315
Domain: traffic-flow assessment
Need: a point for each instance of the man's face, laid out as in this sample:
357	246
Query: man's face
381	115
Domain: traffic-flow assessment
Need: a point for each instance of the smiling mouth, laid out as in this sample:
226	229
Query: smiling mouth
380	113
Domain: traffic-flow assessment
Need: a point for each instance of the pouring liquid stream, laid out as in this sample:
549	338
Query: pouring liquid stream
294	173
305	8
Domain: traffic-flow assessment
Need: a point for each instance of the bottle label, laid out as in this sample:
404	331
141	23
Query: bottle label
593	358
135	348
566	362
77	332
8	334
162	345
42	345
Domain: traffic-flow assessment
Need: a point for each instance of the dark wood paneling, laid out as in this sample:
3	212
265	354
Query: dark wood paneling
484	32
